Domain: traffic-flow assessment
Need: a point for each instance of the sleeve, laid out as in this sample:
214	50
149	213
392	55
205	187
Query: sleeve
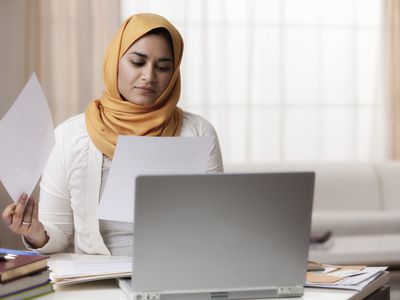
215	163
55	210
205	128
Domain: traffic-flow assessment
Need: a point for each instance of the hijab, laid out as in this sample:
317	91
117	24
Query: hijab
112	115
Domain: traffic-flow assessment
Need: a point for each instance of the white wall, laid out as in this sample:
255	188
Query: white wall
13	47
13	76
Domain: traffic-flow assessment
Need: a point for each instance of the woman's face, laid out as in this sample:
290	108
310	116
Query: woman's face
145	70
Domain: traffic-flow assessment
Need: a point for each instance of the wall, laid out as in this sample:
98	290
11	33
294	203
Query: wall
13	76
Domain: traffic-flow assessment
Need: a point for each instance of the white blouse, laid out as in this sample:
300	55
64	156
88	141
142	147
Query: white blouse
71	181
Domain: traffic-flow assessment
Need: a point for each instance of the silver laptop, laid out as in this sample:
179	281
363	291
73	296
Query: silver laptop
221	236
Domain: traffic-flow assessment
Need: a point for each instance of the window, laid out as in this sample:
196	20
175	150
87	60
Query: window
282	80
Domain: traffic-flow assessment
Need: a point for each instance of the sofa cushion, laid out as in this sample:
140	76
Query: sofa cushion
356	223
371	250
338	186
389	175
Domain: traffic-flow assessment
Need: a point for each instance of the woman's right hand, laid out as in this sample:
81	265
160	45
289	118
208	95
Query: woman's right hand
22	218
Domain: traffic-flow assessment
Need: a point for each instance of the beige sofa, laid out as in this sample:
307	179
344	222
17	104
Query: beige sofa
359	202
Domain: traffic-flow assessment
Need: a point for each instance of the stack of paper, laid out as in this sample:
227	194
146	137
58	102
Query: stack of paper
344	277
81	268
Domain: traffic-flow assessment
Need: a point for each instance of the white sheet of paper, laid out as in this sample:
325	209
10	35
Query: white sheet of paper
71	268
27	135
148	155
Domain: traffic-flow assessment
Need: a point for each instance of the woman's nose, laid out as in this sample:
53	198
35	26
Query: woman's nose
148	74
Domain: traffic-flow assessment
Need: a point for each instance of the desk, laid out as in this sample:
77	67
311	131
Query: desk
108	289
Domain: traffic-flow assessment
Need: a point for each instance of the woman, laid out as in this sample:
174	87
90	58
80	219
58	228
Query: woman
142	88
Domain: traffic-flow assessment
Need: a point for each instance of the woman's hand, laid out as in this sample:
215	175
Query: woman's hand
22	218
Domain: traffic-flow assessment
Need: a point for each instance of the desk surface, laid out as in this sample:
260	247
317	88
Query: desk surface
108	289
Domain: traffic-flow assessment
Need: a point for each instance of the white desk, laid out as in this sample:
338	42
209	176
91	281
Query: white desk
108	289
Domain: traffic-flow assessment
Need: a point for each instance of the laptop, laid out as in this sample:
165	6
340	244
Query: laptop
220	236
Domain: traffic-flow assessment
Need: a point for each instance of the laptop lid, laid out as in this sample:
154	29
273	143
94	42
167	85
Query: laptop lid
221	236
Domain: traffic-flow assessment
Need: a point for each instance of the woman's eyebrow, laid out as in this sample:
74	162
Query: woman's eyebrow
139	54
145	56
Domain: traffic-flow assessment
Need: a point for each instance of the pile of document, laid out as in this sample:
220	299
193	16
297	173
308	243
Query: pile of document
69	269
343	277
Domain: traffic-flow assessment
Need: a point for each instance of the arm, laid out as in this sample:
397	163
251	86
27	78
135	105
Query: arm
215	163
55	210
195	125
45	226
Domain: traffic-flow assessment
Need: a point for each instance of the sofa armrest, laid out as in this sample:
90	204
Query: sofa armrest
356	222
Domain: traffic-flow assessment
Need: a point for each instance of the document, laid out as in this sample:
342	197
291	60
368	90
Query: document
71	268
344	277
27	135
148	155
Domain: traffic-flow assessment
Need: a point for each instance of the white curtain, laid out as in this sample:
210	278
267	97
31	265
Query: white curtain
67	41
392	51
282	80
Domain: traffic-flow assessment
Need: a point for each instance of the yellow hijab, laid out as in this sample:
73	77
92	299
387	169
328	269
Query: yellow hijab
111	115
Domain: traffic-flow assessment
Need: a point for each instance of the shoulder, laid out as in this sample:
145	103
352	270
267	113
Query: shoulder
195	125
73	124
72	136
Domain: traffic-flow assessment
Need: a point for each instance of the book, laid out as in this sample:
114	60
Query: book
23	283
21	265
18	252
30	293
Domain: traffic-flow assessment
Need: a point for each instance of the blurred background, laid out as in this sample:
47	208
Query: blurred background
281	80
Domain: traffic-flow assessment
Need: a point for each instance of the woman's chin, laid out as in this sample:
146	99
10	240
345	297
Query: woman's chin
143	101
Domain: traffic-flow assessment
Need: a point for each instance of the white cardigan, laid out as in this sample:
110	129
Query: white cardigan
70	185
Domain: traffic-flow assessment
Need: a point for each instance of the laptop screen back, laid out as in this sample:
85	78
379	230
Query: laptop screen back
221	231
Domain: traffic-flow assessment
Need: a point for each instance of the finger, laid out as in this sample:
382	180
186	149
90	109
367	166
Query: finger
19	210
27	216
8	213
35	211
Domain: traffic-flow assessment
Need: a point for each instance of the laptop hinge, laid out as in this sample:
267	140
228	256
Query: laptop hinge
289	291
219	295
148	296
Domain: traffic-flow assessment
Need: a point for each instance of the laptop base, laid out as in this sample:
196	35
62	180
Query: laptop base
233	294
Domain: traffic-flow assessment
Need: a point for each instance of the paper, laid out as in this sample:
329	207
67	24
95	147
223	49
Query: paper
148	155
70	269
27	138
352	278
75	268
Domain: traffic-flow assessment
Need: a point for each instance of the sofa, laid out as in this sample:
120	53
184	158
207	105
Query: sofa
358	202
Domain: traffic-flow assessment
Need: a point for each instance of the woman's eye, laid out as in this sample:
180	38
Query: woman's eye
137	63
164	68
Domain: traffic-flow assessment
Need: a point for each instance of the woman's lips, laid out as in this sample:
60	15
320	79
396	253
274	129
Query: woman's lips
145	90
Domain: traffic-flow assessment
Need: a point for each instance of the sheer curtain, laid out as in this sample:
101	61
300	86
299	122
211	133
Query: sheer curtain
67	40
392	43
283	80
